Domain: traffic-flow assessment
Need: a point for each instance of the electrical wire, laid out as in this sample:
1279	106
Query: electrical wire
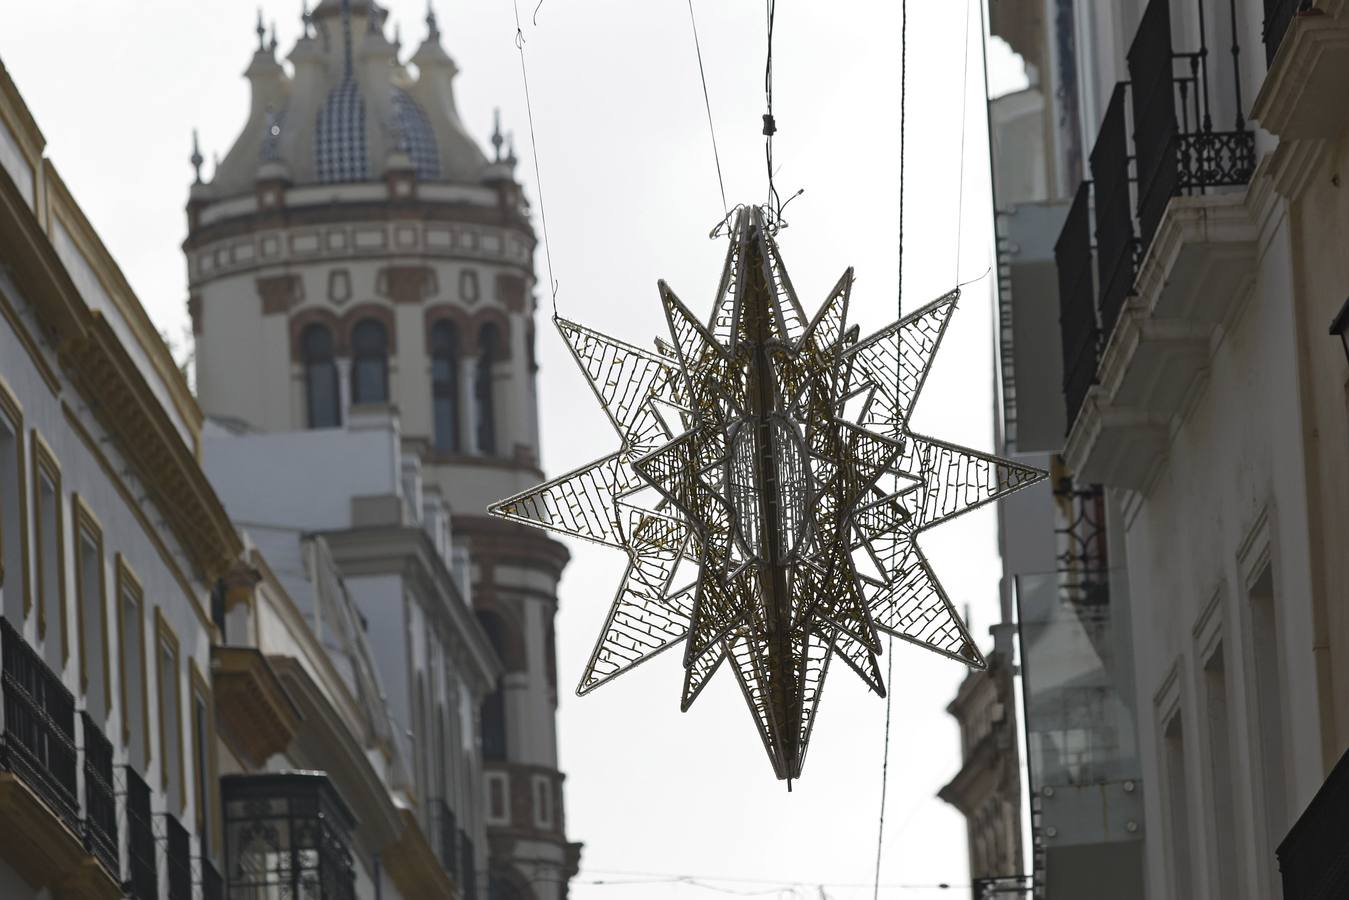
702	74
899	310
964	100
534	148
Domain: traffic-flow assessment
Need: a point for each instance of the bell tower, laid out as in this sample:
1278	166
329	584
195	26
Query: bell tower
356	249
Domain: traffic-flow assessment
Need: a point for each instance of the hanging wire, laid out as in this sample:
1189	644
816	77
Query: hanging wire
899	310
770	125
534	147
964	100
702	74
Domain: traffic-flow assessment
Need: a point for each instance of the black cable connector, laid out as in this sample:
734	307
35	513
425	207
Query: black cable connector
770	125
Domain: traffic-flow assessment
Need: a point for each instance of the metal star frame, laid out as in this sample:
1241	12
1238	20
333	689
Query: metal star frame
769	457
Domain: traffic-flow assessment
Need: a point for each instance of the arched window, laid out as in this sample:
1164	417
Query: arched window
445	385
494	705
489	342
369	362
320	377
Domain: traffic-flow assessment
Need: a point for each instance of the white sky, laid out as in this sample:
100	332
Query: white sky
631	190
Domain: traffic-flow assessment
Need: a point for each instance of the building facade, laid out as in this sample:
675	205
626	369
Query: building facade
1197	151
378	266
111	541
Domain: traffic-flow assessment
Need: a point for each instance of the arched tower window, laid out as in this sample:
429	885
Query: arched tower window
445	385
494	705
369	362
489	348
322	398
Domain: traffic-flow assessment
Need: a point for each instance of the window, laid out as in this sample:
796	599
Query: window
445	385
203	761
51	588
494	705
13	514
498	810
1220	769
131	640
489	339
543	802
370	362
322	395
1268	671
90	591
1178	808
170	721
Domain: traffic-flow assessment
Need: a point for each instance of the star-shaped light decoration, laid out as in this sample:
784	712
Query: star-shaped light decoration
767	459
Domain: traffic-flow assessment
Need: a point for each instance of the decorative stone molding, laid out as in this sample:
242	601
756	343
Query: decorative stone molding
413	865
280	293
1193	282
315	315
511	291
354	316
256	715
44	851
1303	94
407	284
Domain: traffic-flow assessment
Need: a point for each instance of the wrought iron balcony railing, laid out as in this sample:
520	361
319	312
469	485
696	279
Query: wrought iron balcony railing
447	838
468	867
1116	245
1175	152
1083	555
287	834
100	801
177	858
37	741
1077	302
1177	149
143	880
212	885
1279	14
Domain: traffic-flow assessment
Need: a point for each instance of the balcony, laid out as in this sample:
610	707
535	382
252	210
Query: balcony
212	885
43	835
1307	46
143	883
1314	857
100	802
447	837
468	866
1174	252
38	741
177	859
287	834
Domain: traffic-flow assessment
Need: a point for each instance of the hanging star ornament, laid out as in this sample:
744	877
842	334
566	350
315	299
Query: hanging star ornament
769	493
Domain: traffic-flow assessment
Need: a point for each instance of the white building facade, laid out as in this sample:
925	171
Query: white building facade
1198	267
356	259
111	541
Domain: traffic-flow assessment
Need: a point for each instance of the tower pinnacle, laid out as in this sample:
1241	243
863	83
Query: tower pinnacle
196	159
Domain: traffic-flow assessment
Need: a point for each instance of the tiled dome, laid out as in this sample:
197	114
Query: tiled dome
339	136
415	135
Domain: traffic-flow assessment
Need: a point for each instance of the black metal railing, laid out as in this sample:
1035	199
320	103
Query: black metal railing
100	801
447	837
1083	554
37	742
1314	856
1175	144
143	881
177	858
468	867
1116	246
287	834
1077	302
1279	15
212	885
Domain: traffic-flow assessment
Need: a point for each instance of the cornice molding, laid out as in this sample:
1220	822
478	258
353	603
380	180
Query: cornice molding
407	551
257	713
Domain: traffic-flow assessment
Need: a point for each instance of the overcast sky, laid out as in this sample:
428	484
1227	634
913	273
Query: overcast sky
117	87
